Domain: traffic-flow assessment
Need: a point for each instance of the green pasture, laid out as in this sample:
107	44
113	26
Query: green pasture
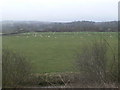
54	51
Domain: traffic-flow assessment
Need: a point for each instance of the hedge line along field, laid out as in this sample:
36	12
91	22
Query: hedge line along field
54	51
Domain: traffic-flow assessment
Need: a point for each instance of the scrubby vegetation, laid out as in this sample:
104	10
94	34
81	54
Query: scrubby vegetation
16	69
95	65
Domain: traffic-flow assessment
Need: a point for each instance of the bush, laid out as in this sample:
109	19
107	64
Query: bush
92	62
15	68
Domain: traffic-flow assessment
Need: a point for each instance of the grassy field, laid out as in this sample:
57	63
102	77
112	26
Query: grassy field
54	51
0	62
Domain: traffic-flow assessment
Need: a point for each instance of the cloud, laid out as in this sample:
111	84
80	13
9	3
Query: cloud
59	10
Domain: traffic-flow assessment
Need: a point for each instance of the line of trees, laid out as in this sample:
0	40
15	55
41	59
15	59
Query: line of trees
77	26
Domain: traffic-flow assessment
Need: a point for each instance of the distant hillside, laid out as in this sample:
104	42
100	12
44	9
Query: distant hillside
77	26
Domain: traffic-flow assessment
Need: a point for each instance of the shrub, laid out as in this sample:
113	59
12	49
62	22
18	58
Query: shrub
15	68
93	60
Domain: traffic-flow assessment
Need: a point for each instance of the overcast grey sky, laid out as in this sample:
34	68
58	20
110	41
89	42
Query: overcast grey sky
60	10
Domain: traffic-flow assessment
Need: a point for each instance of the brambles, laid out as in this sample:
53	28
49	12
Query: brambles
93	60
16	68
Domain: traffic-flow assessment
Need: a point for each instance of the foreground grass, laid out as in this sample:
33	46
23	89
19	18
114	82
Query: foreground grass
55	52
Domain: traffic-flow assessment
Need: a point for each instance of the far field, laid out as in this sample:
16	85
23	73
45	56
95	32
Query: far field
54	51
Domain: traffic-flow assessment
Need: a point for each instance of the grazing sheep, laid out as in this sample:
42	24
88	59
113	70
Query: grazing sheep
110	36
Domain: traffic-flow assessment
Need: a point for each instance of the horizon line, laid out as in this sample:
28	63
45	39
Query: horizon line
57	21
